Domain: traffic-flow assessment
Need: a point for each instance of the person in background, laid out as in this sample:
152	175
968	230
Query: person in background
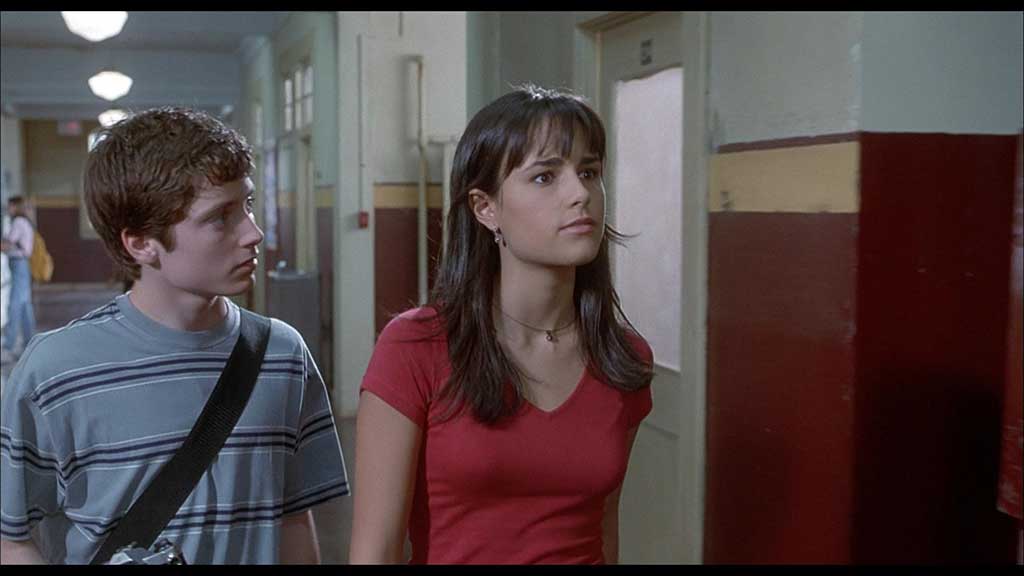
495	423
17	244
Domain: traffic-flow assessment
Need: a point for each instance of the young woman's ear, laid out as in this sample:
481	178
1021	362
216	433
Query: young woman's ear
141	248
484	208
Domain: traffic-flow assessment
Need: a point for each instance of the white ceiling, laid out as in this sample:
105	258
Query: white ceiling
175	58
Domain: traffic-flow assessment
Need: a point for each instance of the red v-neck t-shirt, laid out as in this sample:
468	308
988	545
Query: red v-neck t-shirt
529	490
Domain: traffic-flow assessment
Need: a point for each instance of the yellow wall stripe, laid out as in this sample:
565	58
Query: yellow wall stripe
821	178
405	196
55	201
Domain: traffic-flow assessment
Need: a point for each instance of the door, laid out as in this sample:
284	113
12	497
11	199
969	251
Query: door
640	96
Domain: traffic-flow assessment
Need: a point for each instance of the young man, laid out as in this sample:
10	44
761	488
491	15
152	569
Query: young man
17	244
94	409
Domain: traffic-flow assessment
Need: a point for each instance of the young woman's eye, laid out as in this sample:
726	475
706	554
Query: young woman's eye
543	178
250	202
590	174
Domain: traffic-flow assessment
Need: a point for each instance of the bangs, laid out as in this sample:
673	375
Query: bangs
550	128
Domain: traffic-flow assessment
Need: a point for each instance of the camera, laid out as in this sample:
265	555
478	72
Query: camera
162	552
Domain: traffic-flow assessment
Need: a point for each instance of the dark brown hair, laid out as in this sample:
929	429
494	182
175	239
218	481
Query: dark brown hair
143	172
495	142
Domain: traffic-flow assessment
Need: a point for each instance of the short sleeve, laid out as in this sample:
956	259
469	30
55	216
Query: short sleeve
315	473
400	371
28	460
639	402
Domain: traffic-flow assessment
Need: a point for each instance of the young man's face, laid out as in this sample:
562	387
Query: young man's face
215	246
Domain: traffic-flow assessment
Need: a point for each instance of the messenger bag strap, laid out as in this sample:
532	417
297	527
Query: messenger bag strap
151	513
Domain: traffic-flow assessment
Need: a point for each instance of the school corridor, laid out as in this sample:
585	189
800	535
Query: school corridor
825	218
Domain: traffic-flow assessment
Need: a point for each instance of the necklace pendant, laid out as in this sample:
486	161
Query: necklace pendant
550	337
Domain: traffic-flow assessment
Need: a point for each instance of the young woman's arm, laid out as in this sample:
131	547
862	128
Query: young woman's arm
387	451
24	552
610	522
298	539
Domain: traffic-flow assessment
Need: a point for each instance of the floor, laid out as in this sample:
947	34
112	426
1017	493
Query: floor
57	304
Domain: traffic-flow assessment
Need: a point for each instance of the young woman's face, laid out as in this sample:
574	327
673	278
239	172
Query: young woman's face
551	209
215	246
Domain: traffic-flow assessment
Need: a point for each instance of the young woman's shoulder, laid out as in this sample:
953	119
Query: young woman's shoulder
422	324
640	346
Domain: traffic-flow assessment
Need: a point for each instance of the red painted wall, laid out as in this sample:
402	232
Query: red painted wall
395	268
779	387
74	259
932	310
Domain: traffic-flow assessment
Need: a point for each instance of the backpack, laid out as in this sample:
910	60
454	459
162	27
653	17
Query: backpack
40	262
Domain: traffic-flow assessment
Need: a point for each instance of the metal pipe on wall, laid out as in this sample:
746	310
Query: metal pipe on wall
448	145
421	207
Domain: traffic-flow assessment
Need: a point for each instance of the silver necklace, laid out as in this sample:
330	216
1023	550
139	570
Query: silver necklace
549	335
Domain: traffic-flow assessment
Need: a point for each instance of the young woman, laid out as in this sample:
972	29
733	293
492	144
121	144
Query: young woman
495	423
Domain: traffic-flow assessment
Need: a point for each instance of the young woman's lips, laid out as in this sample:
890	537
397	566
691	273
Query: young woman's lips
579	226
247	265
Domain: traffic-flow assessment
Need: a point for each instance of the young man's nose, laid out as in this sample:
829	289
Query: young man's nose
252	235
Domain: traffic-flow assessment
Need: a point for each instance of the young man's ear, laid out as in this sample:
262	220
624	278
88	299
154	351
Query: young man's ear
484	208
141	248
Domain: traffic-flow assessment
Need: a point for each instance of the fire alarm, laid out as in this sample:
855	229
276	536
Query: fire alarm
364	219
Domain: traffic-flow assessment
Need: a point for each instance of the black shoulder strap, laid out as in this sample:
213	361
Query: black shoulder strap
158	504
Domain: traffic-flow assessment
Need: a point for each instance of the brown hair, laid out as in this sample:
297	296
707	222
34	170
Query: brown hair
495	142
143	173
18	203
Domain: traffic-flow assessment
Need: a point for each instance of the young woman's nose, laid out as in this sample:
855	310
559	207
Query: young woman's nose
579	193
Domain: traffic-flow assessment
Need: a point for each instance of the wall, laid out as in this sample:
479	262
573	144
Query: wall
956	72
510	48
13	159
784	74
53	182
483	45
783	218
393	37
942	95
863	182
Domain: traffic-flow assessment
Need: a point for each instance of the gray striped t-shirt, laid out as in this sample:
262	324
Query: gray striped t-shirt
94	409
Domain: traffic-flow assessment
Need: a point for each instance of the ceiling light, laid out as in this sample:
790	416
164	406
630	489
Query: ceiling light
110	85
111	117
95	26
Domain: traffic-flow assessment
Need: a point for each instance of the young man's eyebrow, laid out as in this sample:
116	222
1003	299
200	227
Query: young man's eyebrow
218	207
224	203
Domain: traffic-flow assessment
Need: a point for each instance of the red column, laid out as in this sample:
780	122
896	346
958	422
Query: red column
1009	500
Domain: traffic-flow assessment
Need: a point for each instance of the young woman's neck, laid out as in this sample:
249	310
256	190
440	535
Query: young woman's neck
538	296
176	308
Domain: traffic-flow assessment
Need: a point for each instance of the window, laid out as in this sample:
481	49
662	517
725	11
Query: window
298	98
289	104
649	145
307	96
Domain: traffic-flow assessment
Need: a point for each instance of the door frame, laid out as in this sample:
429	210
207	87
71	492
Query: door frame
693	356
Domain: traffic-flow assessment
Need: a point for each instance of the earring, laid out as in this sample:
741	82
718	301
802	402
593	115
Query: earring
499	237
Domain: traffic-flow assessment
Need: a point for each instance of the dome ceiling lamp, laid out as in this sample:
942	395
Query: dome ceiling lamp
95	26
111	117
110	84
